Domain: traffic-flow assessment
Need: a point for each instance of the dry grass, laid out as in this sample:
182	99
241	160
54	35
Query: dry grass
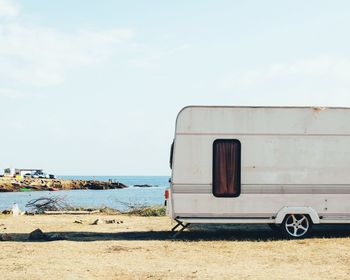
140	248
147	211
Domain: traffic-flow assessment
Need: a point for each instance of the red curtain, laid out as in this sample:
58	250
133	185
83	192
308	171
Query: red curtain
226	168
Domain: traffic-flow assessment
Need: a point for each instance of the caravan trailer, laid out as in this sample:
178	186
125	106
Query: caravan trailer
288	167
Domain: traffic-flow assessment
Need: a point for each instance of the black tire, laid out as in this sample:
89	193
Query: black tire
296	226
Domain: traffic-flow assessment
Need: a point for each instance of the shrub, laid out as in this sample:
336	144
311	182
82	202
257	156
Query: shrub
145	211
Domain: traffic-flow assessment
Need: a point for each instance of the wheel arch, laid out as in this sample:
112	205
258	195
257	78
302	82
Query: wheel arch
297	210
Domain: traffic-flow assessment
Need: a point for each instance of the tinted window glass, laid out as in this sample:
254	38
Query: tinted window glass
171	155
226	168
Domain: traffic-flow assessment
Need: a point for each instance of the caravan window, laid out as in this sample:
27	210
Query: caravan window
226	168
171	155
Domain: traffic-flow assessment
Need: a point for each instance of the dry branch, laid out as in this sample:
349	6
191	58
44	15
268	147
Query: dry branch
42	204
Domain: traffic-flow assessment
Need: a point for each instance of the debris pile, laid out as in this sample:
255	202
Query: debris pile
53	203
100	221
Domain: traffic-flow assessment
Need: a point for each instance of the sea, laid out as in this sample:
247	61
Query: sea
119	199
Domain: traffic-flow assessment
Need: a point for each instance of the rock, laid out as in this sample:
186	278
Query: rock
97	222
118	185
95	186
38	184
143	186
78	222
100	221
37	235
6	212
5	237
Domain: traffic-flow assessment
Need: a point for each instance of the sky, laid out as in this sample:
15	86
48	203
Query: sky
93	87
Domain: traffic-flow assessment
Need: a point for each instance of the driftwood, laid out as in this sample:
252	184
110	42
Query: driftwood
73	212
42	204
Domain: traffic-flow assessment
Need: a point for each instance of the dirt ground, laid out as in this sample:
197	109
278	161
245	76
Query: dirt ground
140	248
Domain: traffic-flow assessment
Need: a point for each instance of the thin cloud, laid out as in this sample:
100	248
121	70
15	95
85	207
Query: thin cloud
320	75
156	58
41	56
8	8
10	93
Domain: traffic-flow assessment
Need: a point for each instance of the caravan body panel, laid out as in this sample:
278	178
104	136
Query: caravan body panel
290	157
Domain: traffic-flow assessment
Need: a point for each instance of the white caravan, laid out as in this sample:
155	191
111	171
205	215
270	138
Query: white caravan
285	166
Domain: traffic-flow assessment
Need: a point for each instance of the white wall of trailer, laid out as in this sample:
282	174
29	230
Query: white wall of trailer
289	157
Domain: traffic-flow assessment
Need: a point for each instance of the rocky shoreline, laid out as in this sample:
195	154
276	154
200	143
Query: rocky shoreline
38	184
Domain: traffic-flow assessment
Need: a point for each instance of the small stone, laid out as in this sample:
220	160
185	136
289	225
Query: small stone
78	222
37	235
97	222
111	222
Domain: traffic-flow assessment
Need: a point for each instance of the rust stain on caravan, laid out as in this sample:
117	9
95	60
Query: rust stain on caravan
319	109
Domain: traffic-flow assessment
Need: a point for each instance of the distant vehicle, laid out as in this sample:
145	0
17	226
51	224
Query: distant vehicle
40	174
27	175
283	166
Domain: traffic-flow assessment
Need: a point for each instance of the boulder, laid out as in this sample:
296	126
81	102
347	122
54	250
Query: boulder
37	235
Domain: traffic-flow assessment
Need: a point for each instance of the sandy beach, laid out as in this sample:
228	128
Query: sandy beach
140	248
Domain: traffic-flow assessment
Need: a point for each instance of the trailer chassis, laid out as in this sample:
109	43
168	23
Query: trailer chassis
179	224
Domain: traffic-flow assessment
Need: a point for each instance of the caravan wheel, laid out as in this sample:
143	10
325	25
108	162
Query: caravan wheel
296	226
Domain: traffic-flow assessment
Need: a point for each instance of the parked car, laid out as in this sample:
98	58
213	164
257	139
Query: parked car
40	174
